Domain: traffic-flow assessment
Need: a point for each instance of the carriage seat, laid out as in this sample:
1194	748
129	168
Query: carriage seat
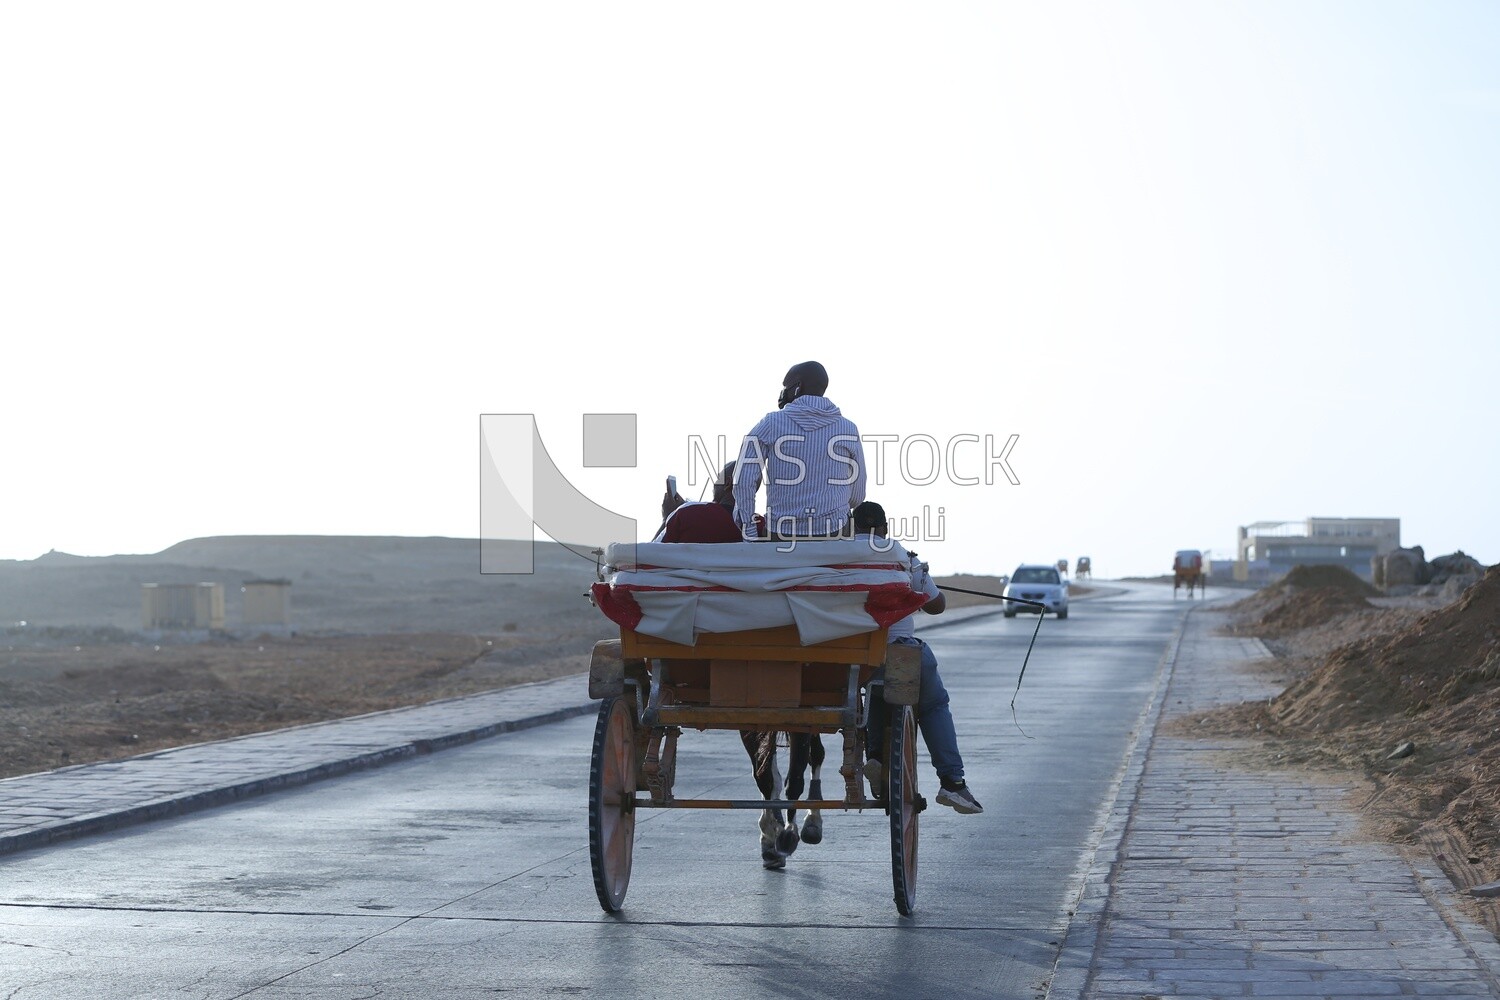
826	589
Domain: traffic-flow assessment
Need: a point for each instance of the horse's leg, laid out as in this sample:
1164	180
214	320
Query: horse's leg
812	827
762	749
795	767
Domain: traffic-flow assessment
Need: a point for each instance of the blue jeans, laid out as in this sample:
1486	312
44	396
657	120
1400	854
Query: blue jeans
934	719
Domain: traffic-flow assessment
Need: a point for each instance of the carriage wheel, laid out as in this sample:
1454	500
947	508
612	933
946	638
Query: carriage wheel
612	802
905	804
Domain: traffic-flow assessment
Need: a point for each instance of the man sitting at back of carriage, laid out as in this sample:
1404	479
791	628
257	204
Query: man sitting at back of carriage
810	457
934	717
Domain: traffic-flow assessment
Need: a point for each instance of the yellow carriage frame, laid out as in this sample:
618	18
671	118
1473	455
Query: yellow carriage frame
651	689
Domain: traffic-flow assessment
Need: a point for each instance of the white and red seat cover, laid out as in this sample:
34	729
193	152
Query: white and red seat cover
828	589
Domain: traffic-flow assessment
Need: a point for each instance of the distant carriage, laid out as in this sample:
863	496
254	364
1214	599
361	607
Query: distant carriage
1062	567
1085	569
1187	570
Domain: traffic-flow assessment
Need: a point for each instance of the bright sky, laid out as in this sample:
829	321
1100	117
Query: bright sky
262	266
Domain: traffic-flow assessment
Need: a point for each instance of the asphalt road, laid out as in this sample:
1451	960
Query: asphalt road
465	874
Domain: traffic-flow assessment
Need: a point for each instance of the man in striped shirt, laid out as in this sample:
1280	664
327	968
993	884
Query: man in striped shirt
810	458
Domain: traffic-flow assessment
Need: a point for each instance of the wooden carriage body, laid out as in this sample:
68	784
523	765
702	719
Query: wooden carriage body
653	688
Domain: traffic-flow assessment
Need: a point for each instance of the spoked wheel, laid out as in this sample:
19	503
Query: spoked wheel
612	802
905	804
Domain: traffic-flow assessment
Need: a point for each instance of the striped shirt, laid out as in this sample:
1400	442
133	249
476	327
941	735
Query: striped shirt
811	460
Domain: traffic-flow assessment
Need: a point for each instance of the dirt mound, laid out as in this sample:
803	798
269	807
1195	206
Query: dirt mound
1302	578
1305	597
1432	689
1307	609
1327	577
1440	659
1412	698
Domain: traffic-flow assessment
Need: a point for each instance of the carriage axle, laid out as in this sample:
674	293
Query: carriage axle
761	804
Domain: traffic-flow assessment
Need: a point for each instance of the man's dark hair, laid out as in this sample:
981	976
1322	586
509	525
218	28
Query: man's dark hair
812	376
868	516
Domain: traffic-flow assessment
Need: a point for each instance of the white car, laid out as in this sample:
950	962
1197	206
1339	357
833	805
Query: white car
1037	583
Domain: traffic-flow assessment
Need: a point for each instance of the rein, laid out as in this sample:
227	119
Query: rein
1032	645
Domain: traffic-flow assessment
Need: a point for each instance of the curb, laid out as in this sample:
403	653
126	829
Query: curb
1435	885
177	805
1075	959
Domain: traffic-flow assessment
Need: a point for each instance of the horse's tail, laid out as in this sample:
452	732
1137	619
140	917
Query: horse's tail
765	749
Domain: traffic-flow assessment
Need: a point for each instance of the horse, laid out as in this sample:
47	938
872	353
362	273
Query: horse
1187	567
1191	578
780	836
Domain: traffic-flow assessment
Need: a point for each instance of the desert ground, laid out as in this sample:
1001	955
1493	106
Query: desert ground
375	623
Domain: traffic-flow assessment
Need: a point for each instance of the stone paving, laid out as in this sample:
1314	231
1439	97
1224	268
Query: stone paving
1212	882
37	809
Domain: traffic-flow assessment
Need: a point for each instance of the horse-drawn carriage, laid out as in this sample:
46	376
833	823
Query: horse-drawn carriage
1084	570
750	638
1187	571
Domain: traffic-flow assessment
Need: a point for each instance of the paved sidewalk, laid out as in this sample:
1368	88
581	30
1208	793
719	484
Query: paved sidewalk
1211	881
37	809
